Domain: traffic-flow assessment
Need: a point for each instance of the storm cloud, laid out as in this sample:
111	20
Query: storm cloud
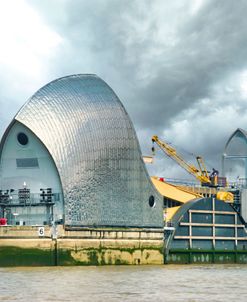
179	67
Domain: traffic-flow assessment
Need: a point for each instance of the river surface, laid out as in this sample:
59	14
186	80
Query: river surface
125	283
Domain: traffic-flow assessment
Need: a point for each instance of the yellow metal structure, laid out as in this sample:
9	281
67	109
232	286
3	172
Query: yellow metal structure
226	196
173	192
170	191
201	174
202	166
172	153
169	212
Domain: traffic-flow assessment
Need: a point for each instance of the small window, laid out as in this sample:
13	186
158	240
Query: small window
27	163
151	201
22	138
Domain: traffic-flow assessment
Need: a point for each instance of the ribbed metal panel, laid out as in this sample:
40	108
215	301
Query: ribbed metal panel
88	133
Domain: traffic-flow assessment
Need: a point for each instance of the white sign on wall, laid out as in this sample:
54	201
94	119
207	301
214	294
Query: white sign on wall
41	231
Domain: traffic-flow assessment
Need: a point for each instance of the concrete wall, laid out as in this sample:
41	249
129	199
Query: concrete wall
22	245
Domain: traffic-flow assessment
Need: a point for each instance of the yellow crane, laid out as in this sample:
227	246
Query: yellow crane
199	173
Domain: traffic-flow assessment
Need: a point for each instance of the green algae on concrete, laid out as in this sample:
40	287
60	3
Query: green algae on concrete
16	256
105	256
79	247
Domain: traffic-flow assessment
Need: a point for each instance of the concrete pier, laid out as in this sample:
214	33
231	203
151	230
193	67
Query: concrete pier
39	245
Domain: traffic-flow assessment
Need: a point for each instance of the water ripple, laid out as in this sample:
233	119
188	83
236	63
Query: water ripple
187	283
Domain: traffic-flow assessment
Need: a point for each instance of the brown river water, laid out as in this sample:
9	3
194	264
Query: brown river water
125	283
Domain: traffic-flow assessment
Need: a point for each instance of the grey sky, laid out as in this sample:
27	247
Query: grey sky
179	67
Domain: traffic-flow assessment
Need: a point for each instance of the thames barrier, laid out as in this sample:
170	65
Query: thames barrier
74	189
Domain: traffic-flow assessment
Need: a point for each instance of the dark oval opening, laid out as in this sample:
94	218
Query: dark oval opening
151	201
22	138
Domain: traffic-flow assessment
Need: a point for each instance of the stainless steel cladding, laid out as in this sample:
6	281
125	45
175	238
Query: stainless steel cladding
91	138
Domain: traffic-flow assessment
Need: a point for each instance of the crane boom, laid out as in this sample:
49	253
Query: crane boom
202	166
200	174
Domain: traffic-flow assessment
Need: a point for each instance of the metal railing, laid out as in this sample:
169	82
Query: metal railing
30	199
239	183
